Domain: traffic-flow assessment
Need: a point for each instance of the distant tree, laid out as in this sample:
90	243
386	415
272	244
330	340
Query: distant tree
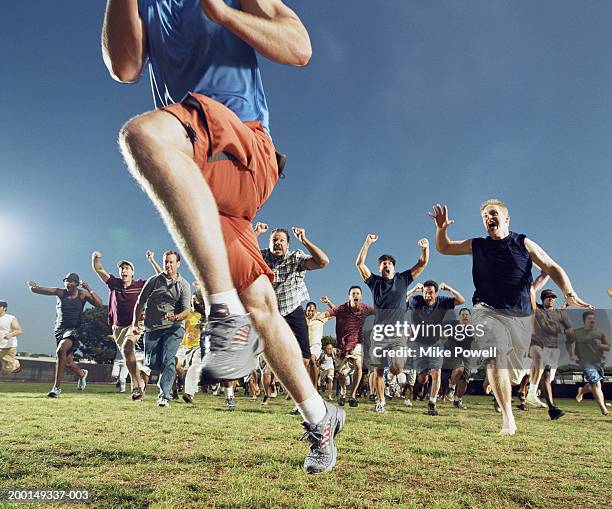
328	339
94	342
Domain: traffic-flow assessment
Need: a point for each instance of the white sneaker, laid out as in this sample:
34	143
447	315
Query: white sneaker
535	402
379	408
122	387
82	382
55	392
163	402
407	402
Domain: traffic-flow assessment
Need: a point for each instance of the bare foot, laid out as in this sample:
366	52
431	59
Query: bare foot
579	396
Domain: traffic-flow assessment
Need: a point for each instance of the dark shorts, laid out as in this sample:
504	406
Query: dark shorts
535	341
592	373
297	323
71	334
239	162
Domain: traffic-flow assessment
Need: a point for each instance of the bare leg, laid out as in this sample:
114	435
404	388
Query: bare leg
459	381
379	383
129	354
60	363
74	366
581	392
535	352
546	388
282	350
436	375
160	156
499	379
356	379
599	397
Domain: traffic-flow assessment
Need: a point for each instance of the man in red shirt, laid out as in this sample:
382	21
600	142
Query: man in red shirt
349	327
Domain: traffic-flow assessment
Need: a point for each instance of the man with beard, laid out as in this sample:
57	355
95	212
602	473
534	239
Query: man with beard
429	309
349	330
69	318
501	271
389	295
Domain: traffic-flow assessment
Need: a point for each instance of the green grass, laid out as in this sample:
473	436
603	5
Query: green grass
137	455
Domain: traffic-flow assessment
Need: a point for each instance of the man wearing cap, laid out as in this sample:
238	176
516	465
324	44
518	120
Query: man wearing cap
122	297
9	330
544	351
166	297
69	317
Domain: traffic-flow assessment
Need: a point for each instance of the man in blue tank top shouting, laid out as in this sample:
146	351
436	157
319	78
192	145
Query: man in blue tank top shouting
503	299
208	163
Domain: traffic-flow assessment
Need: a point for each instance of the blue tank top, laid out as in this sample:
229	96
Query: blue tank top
188	52
68	312
501	270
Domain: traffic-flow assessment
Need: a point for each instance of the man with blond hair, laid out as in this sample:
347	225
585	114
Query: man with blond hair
501	271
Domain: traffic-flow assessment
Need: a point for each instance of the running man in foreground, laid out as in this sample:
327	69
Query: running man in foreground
207	161
501	271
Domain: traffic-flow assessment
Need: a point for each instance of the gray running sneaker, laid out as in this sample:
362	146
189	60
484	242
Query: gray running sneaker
55	392
323	453
234	347
379	408
82	382
459	404
230	404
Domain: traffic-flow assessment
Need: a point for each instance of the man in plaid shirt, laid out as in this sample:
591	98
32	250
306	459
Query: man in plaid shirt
289	268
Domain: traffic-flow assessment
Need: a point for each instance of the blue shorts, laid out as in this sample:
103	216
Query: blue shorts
592	373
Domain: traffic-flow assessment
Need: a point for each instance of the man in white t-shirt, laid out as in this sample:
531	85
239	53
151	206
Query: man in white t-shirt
9	330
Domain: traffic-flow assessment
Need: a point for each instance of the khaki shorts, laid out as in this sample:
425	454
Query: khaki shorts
509	335
351	358
328	374
8	358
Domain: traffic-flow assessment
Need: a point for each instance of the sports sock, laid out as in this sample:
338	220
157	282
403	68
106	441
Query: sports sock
533	391
433	399
230	299
313	409
229	391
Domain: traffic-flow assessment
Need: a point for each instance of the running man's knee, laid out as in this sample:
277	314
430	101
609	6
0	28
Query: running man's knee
260	301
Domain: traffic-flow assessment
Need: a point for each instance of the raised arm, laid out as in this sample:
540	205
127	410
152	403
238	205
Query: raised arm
151	257
327	301
318	259
443	244
91	296
415	289
540	281
423	260
260	229
269	26
459	299
96	264
124	42
556	272
363	269
41	290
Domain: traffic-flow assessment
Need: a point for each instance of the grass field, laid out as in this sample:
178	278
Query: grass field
136	455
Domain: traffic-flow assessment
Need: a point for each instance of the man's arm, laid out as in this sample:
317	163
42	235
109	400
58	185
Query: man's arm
268	26
318	259
423	260
41	290
96	264
556	272
363	269
443	244
327	301
569	342
260	229
540	281
91	296
151	257
415	289
459	299
16	330
140	303
124	42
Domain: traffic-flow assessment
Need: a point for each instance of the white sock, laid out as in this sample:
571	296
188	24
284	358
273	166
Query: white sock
230	299
313	409
433	399
533	391
452	387
229	391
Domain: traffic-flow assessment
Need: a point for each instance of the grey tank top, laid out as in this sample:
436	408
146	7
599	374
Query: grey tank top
69	312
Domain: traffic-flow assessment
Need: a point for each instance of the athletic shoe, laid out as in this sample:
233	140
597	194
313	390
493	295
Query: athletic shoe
266	400
137	394
353	403
554	413
459	404
234	347
521	406
408	402
118	385
294	411
82	382
215	391
496	406
175	393
18	370
323	453
431	408
341	400
188	398
163	402
379	408
55	392
372	397
535	402
230	404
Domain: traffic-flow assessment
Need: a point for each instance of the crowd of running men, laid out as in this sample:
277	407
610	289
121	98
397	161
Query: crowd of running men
206	159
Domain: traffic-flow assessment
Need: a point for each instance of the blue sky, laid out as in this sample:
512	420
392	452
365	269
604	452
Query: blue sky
401	107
